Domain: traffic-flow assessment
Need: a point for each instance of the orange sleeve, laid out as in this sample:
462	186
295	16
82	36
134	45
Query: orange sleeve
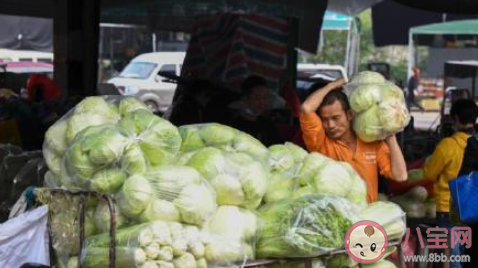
312	131
383	161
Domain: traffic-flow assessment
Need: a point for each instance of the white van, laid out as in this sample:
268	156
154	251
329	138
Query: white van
140	78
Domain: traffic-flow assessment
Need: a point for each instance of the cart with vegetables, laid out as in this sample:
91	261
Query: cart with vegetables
151	195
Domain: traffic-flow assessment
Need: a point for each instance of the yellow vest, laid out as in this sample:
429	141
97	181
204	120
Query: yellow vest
443	165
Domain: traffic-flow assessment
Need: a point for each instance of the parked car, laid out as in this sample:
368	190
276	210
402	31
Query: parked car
309	74
141	78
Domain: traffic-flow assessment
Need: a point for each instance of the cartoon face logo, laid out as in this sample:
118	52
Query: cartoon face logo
366	242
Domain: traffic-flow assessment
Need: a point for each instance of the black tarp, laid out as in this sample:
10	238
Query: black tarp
26	33
392	21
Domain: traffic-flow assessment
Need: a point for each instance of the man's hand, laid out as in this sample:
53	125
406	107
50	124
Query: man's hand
315	99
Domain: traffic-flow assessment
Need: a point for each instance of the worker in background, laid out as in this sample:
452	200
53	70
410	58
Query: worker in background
329	132
445	162
251	108
413	87
469	165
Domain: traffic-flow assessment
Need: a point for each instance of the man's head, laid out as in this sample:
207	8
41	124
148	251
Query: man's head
335	114
255	93
416	71
464	113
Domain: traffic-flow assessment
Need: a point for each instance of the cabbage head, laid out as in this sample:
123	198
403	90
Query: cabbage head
333	178
196	203
245	143
394	115
162	210
228	190
55	137
280	158
365	96
217	134
280	187
135	196
368	77
170	180
96	105
104	146
233	223
52	160
79	122
102	217
297	152
388	215
254	179
209	161
129	104
108	180
310	165
191	139
133	160
367	125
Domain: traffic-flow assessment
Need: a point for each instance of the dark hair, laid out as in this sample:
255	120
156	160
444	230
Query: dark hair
333	96
252	82
466	111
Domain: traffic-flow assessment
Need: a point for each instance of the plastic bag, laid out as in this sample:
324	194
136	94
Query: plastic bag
238	178
388	215
167	244
304	227
379	104
222	137
96	145
24	239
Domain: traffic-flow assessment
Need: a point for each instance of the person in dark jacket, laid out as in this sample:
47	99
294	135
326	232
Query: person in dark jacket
469	165
251	110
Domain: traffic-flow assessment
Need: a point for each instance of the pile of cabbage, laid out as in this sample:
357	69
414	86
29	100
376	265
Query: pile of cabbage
379	106
193	196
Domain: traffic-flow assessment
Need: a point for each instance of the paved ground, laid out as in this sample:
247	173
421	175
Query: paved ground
426	120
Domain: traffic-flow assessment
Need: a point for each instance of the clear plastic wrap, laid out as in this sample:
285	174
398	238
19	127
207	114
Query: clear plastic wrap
238	178
167	244
96	145
222	137
379	104
304	227
388	215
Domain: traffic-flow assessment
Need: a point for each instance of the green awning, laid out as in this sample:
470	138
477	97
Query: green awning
459	27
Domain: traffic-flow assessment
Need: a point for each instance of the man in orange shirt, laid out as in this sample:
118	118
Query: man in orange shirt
331	134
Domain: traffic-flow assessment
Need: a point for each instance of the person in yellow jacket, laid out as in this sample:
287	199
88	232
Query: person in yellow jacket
445	162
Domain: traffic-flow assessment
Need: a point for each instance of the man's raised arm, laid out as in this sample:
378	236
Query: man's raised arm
312	103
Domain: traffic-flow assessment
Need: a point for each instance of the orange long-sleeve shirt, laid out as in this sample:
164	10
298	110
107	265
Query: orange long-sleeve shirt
368	159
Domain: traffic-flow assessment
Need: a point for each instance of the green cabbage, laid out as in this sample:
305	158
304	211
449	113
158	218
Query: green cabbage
160	210
133	160
393	115
51	180
129	104
311	164
280	187
297	152
254	179
55	137
228	190
368	77
208	161
52	160
105	146
365	96
233	223
367	125
126	257
304	227
108	180
280	158
196	203
381	264
217	134
191	139
102	218
79	122
96	105
388	215
135	196
245	143
333	178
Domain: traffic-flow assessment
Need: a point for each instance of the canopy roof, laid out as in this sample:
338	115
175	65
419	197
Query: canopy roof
459	27
335	21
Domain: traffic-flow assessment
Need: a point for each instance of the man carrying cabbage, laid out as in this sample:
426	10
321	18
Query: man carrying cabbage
325	121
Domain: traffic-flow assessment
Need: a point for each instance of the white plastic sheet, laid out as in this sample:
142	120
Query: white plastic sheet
24	239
